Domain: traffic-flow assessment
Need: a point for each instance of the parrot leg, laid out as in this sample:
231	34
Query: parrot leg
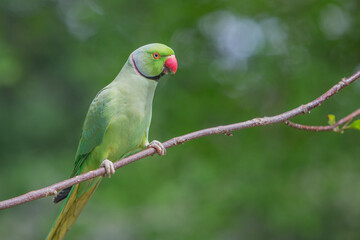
159	147
109	167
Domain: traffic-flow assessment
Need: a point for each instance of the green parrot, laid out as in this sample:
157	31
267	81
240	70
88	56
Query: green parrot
116	125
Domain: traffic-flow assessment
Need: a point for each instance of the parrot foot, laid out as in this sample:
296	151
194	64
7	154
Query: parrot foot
159	147
109	167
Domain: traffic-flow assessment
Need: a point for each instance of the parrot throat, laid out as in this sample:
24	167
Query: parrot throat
155	78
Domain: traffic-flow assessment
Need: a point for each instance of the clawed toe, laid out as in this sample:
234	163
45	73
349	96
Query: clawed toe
158	146
109	167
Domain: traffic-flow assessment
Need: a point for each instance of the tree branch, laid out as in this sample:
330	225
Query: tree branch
332	127
227	129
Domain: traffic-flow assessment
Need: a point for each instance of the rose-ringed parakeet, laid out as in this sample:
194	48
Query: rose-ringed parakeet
116	125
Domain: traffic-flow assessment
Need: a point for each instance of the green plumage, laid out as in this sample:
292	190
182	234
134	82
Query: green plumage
117	124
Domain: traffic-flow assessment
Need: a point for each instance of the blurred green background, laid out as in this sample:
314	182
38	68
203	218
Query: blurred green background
237	60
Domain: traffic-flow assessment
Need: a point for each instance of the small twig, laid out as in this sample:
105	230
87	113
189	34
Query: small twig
227	129
332	127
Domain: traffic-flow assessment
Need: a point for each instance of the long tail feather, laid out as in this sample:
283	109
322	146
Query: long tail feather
70	211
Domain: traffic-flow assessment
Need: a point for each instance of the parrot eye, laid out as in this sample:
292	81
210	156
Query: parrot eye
156	55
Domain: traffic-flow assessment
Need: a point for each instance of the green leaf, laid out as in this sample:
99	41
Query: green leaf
331	118
355	124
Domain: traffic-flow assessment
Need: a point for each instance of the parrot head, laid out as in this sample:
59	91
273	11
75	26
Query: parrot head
154	60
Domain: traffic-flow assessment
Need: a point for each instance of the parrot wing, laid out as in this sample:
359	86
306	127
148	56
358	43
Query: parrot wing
94	128
93	131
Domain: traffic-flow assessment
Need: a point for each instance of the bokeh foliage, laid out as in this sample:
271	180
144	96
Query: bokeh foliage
237	60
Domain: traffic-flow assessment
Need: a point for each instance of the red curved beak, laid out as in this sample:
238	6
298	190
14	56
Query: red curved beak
171	64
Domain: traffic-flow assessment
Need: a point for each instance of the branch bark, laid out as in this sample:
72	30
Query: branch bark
227	129
332	127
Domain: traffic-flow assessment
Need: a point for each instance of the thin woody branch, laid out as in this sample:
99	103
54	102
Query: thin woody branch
227	129
332	127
